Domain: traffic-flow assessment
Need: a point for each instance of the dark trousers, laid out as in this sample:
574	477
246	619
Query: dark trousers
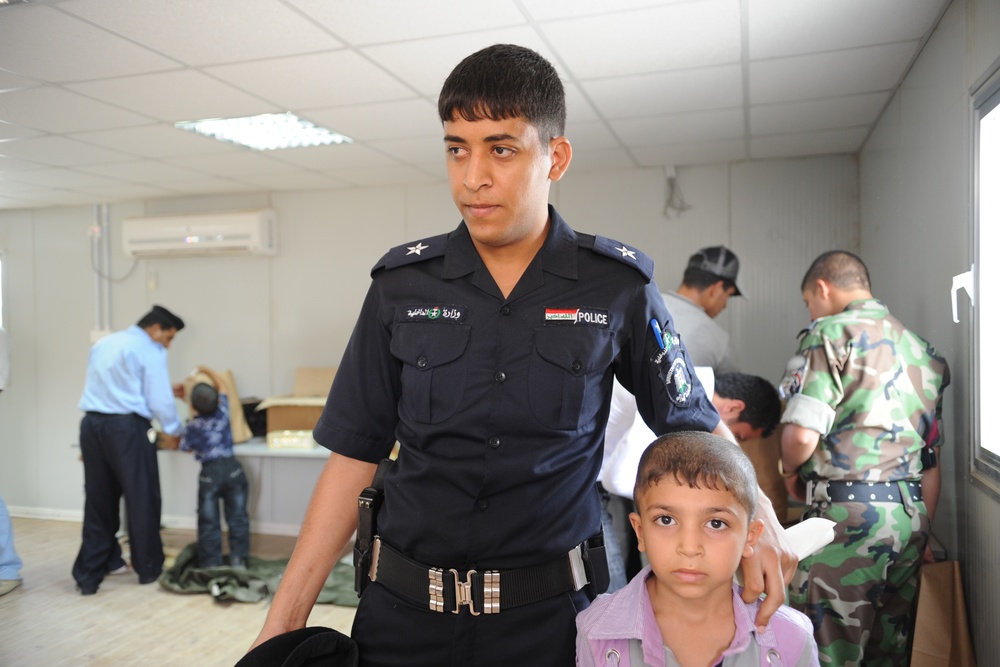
391	631
222	479
118	460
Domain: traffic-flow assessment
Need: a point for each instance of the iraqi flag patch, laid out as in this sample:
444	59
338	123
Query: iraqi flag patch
594	317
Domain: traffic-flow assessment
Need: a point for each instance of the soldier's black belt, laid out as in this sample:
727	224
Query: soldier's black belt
484	592
863	492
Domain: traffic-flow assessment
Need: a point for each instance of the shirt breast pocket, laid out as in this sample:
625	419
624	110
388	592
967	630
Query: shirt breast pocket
565	375
434	368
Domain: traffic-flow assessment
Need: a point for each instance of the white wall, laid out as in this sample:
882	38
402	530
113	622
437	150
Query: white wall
261	317
916	194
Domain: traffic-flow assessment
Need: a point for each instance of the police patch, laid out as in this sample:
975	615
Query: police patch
595	317
678	382
443	313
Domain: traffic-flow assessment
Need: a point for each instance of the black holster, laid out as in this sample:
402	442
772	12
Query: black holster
595	563
369	503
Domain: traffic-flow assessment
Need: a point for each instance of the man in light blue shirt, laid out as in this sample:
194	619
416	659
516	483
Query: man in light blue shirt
128	385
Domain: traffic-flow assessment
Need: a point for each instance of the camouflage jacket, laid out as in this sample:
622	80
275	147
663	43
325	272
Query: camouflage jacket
871	388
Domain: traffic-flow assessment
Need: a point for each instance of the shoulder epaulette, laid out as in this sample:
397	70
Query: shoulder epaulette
413	252
625	254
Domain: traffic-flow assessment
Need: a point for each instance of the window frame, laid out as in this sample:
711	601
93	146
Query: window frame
985	463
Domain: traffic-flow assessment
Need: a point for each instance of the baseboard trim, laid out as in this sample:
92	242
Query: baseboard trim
183	522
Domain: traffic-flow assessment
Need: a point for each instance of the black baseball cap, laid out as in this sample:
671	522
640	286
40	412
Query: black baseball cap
718	260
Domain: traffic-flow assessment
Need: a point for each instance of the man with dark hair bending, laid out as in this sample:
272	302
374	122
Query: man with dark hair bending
128	384
488	354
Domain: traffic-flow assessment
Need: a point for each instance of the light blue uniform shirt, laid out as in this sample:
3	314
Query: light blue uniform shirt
127	373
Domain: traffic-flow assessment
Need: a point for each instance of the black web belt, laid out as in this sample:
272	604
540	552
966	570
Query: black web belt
840	491
485	592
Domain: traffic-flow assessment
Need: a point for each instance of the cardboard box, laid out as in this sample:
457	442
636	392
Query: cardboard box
301	410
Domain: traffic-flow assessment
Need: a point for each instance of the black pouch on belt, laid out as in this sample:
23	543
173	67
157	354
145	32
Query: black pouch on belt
595	563
369	503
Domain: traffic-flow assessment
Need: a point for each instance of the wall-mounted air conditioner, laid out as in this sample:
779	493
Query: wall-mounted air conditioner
230	233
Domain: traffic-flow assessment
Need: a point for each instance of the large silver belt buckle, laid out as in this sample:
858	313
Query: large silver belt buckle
463	591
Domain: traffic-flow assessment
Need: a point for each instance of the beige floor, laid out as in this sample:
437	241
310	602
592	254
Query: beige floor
47	623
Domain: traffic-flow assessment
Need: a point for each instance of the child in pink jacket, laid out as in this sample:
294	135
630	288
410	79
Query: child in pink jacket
697	496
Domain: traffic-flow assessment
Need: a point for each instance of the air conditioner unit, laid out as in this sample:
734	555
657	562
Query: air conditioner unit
230	233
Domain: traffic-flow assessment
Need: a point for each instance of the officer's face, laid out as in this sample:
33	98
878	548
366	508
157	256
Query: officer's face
499	172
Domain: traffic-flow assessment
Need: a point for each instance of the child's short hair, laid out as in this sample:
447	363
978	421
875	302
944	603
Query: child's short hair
204	399
699	459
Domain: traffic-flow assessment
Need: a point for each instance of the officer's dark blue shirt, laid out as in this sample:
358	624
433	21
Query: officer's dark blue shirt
500	405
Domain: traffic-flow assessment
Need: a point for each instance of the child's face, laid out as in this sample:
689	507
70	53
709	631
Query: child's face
694	538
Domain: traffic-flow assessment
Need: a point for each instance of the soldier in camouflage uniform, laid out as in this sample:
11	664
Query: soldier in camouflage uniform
862	431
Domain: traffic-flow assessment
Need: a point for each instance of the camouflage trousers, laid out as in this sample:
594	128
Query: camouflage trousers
859	590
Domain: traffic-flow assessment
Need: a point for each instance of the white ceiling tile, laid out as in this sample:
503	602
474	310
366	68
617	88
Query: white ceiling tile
862	70
578	107
207	186
381	21
667	92
599	160
59	151
314	81
11	81
293	180
45	109
675	36
14	188
824	142
125	192
144	171
396	175
590	136
414	150
791	27
234	163
156	95
707	152
11	131
386	120
8	163
823	114
547	10
342	156
195	32
426	63
71	49
152	141
710	125
59	178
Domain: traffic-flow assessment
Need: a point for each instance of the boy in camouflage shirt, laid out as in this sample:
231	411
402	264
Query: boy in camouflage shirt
862	432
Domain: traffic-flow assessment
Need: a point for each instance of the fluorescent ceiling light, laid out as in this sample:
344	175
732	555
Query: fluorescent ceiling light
267	131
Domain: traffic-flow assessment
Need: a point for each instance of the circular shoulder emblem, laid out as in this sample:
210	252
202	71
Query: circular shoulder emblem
678	382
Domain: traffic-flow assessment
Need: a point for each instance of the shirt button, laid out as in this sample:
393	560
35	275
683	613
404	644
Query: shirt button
494	442
421	362
482	505
500	376
577	366
505	310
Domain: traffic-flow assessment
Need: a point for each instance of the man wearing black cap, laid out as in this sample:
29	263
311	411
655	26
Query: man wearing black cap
128	384
709	281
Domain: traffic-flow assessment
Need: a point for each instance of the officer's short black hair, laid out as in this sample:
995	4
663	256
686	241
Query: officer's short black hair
762	403
840	268
163	317
699	460
204	399
506	81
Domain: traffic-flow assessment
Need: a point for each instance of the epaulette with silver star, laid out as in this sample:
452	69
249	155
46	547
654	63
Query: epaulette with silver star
625	254
413	252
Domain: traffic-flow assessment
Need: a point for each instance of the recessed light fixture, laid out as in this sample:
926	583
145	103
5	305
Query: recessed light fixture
269	131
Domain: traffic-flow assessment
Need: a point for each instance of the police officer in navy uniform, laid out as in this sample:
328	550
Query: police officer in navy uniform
488	354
